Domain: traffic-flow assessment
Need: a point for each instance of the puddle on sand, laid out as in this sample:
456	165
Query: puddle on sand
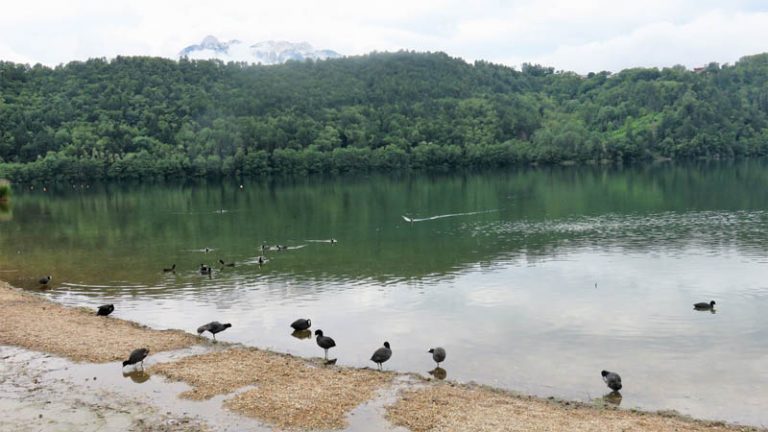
106	397
102	397
32	399
371	416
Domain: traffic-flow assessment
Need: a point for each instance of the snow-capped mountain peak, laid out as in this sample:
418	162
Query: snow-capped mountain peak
267	52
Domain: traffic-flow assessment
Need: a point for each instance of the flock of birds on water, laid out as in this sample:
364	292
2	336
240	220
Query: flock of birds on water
302	325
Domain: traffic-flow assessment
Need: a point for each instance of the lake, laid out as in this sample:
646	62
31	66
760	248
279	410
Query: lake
532	280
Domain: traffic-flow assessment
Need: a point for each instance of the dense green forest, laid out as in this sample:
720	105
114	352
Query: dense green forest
137	117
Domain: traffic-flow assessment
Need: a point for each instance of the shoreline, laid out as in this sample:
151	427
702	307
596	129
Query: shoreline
295	393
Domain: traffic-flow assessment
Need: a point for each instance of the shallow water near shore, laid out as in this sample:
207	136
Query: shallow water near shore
532	280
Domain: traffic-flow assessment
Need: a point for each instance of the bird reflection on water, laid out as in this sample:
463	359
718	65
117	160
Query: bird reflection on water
302	334
137	376
438	373
613	398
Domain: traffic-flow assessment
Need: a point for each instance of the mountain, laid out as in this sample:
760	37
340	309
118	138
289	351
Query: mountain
267	53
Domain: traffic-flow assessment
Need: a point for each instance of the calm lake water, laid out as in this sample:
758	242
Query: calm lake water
533	280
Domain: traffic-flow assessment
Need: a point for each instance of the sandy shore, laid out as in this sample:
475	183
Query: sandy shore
290	393
33	322
446	407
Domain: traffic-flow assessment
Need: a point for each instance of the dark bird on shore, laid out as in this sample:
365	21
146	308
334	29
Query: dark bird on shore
226	264
381	355
324	342
704	305
301	324
170	269
213	327
137	356
105	310
438	355
612	379
205	269
44	280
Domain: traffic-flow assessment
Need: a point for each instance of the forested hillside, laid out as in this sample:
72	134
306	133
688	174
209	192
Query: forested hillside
135	117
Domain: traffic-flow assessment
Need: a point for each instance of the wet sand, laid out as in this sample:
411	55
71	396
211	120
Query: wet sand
33	322
446	407
280	391
33	399
289	392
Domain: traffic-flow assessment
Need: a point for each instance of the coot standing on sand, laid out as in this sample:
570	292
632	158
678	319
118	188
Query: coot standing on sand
324	342
213	327
438	355
381	355
612	380
105	310
137	356
301	324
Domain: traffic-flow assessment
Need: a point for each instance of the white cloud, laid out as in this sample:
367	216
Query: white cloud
716	36
8	54
567	34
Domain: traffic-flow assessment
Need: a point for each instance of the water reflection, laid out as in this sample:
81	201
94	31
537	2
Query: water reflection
6	213
302	334
516	283
438	373
137	375
613	398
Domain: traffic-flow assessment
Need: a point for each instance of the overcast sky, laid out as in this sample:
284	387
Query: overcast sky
578	35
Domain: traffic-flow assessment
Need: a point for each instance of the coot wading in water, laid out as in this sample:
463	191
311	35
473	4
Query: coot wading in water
381	355
213	327
438	355
137	356
324	342
612	380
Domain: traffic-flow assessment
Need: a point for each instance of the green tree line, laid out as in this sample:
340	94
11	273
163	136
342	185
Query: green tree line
139	117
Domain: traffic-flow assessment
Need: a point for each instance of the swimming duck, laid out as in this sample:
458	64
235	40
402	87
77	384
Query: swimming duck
301	324
704	305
